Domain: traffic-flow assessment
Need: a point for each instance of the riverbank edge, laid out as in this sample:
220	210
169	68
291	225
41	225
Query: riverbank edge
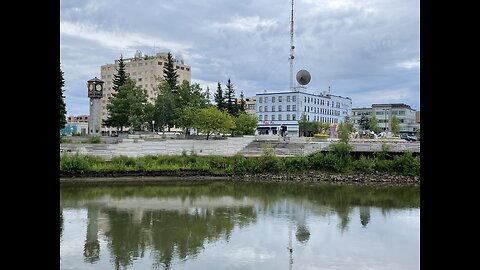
142	178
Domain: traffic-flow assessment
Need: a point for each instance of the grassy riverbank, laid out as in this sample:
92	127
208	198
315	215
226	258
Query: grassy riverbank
406	164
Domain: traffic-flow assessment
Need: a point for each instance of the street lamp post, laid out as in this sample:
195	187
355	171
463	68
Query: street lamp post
153	126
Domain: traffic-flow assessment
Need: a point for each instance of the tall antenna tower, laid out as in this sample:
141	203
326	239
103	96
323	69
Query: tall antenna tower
291	51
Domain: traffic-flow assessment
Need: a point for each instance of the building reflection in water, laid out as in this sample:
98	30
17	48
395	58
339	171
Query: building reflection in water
364	215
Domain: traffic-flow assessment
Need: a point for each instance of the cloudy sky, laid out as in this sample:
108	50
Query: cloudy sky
368	50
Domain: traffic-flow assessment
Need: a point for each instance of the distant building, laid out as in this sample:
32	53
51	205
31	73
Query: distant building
250	103
384	112
417	117
286	108
144	71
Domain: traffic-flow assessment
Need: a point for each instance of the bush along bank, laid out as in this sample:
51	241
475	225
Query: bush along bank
337	162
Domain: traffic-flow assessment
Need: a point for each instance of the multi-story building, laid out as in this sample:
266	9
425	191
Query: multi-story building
274	110
250	103
146	71
384	112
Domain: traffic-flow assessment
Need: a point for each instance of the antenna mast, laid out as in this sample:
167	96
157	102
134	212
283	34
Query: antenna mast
291	51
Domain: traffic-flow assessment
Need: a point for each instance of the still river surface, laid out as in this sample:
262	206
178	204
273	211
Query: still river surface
220	225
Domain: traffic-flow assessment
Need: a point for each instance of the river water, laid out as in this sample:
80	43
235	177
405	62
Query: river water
220	225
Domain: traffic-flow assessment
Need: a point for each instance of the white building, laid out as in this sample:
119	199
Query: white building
384	113
285	108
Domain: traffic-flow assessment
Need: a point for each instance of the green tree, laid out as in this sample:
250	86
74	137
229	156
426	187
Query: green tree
395	125
219	98
345	128
209	120
120	78
231	101
364	123
127	107
116	115
304	127
374	124
63	110
165	104
245	124
242	106
170	74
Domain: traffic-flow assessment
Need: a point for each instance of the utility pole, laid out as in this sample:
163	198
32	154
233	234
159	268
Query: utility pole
291	51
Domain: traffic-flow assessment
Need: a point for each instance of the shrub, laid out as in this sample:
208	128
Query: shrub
75	163
341	149
407	164
364	164
94	139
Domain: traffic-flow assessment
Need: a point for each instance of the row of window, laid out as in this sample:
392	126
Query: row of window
321	110
260	108
393	112
273	118
280	99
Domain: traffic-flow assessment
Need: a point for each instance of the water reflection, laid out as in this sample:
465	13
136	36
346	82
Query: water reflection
164	224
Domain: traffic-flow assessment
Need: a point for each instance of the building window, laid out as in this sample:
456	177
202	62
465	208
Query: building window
266	117
260	118
260	109
294	117
328	103
182	68
288	108
188	69
266	109
379	113
273	117
294	98
139	79
288	98
401	112
251	106
279	117
304	108
260	100
279	98
288	117
279	107
294	108
177	67
273	99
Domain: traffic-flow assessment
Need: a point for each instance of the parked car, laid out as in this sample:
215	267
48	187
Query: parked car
409	138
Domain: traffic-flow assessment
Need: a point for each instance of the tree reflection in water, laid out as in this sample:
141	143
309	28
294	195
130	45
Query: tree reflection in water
132	226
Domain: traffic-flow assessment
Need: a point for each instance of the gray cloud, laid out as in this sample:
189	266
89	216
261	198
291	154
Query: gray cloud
368	50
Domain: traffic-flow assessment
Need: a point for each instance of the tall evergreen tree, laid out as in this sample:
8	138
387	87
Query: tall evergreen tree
219	98
63	110
231	101
170	74
242	107
164	112
120	78
127	108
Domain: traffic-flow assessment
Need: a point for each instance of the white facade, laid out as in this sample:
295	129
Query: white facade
384	113
286	108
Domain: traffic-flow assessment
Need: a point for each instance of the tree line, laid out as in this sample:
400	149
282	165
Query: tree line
177	104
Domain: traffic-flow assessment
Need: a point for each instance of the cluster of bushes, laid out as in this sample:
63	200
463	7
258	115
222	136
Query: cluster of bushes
338	160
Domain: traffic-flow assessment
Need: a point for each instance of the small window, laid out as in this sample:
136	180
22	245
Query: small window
260	118
288	98
288	108
294	108
182	68
260	109
260	100
279	108
294	98
159	63
188	69
279	117
288	117
273	99
294	117
280	99
273	117
273	108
